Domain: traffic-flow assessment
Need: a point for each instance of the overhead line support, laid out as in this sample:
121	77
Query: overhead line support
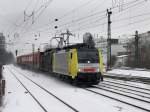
109	13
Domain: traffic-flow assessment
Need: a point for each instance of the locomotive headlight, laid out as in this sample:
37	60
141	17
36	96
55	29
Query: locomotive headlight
97	70
79	70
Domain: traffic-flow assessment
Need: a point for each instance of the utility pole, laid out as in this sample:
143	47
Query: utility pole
24	15
32	17
136	48
28	16
16	52
68	33
109	12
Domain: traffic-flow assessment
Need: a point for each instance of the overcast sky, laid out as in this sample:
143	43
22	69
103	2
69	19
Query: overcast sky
70	13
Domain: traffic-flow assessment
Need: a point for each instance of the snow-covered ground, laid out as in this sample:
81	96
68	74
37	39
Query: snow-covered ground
136	72
137	84
18	100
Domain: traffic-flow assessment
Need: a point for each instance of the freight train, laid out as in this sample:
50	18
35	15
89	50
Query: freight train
79	63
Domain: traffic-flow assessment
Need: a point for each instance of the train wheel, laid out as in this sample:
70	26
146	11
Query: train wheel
102	78
61	77
75	82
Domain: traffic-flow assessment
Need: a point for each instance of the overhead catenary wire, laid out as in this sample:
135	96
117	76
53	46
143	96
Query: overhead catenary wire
119	20
117	13
26	7
85	17
125	4
131	23
23	24
81	6
77	8
79	19
132	17
37	14
47	29
73	21
93	14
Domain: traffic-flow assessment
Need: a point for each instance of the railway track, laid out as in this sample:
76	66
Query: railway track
48	92
123	94
126	90
126	85
117	99
117	91
143	80
43	108
138	94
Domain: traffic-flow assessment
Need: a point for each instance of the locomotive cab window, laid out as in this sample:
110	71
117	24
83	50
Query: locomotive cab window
88	55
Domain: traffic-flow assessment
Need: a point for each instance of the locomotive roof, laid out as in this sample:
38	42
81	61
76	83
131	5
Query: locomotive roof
35	53
78	46
51	49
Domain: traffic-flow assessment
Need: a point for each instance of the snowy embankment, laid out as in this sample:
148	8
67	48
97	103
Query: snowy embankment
130	73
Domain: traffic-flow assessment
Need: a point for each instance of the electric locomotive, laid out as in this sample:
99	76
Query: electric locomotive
79	63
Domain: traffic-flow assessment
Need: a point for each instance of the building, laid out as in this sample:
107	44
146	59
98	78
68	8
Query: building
139	57
117	48
144	49
2	41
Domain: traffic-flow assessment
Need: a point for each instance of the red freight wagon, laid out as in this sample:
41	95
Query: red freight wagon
32	60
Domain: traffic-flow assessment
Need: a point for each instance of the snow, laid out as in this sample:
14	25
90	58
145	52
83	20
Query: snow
124	98
84	101
136	84
138	73
121	56
126	92
16	100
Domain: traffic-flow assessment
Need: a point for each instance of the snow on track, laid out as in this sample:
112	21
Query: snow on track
77	97
144	105
16	98
43	97
137	84
126	93
126	90
131	86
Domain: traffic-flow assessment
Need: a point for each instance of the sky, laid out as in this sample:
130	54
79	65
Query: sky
79	16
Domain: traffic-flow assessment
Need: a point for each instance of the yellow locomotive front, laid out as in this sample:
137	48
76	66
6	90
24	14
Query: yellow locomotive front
86	65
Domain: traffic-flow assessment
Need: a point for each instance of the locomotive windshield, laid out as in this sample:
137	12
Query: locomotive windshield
88	56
